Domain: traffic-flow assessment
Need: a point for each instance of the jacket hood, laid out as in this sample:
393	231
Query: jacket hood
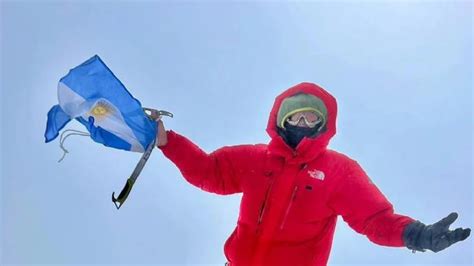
309	148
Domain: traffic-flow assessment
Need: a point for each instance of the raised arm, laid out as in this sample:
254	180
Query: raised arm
219	172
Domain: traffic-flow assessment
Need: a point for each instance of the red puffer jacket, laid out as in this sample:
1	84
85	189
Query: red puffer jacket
291	198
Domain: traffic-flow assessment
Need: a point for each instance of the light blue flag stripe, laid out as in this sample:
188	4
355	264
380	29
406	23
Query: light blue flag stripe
57	119
103	136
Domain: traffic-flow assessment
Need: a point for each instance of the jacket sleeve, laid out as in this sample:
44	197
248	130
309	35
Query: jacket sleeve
363	206
219	172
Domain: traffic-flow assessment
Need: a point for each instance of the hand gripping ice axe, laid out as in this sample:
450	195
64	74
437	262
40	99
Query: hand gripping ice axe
154	115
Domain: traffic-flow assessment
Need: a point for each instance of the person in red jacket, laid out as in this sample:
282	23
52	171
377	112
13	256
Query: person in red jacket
294	187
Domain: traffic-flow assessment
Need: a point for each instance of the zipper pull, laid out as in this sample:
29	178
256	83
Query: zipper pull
293	196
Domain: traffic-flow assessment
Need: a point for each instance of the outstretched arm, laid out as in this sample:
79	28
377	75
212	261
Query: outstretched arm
368	212
363	206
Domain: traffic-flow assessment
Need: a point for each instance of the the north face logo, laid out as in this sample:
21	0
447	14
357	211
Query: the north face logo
317	174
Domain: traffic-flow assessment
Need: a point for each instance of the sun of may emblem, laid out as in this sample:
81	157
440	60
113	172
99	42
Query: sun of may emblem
101	110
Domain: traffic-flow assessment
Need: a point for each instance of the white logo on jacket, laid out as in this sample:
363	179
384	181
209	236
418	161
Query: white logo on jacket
317	174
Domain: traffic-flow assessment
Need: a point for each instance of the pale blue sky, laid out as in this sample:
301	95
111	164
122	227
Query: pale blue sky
401	71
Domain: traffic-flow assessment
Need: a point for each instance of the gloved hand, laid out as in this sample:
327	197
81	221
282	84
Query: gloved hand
435	237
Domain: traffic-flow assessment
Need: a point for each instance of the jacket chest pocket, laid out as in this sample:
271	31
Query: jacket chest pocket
309	203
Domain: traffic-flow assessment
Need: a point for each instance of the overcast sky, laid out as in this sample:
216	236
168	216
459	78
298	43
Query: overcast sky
401	72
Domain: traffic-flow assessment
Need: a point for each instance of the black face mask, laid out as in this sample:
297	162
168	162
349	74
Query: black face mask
293	135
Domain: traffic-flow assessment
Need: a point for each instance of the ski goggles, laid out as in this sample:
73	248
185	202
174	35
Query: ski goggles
309	118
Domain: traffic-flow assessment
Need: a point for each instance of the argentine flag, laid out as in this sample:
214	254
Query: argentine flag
91	94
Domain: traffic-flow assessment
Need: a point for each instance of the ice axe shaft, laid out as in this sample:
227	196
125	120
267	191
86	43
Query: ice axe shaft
133	177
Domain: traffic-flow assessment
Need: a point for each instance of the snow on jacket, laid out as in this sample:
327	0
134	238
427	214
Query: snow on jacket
291	198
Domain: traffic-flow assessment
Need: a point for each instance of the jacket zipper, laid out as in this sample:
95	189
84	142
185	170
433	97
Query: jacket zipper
293	196
264	203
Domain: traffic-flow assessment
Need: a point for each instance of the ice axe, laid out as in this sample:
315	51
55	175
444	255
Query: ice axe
154	115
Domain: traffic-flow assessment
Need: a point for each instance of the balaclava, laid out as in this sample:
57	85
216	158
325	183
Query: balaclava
293	135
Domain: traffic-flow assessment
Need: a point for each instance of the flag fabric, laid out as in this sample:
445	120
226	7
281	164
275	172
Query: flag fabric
91	94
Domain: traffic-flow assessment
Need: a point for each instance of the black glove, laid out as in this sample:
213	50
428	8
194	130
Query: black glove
435	237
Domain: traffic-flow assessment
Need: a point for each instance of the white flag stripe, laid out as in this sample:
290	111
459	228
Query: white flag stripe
72	103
